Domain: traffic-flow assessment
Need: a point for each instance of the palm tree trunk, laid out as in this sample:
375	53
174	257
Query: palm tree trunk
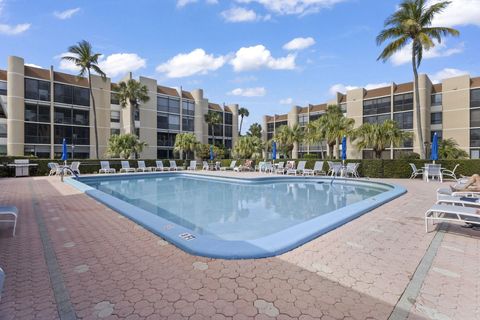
241	122
337	143
95	128
132	117
417	104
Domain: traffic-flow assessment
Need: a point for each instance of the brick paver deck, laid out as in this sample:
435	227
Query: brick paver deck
113	269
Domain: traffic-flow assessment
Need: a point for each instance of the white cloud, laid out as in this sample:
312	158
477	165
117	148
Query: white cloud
211	1
113	65
286	101
296	7
299	43
249	92
446	73
183	3
440	50
238	14
33	65
67	14
12	30
188	64
340	87
257	57
458	13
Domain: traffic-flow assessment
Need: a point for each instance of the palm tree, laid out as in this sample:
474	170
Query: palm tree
248	147
412	24
242	112
255	130
330	127
379	136
448	149
212	119
286	137
131	93
83	57
185	142
124	145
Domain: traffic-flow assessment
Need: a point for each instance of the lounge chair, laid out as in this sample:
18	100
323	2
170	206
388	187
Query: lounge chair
449	213
142	167
334	168
231	167
105	167
291	168
205	166
280	167
260	166
415	172
351	169
449	192
299	170
247	166
75	167
458	200
159	166
173	166
217	165
317	169
126	167
269	167
192	166
450	173
10	211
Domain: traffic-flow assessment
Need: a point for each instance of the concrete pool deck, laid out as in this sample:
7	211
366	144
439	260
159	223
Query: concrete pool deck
74	258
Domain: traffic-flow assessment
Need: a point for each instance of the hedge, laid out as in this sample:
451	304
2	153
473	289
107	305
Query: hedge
367	168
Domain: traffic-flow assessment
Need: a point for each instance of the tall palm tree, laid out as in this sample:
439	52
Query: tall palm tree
379	136
185	142
83	57
330	127
212	119
242	112
131	93
411	24
255	130
248	147
286	137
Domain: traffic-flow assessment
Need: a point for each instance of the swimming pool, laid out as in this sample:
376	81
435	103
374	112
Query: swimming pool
235	218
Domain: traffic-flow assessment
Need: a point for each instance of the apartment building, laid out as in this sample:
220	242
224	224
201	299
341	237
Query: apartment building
40	107
450	108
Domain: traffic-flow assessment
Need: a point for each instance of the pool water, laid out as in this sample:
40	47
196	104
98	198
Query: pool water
268	215
235	211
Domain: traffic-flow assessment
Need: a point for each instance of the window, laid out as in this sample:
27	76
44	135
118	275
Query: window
37	89
3	130
376	119
173	122
228	131
280	123
376	106
403	102
136	113
162	121
343	107
270	127
404	120
114	98
302	119
114	131
3	88
72	95
436	99
81	117
187	124
73	135
475	118
474	137
314	117
81	135
37	113
439	134
37	133
475	98
63	115
228	118
81	96
173	106
164	154
162	104
188	108
228	144
115	116
436	118
37	151
165	139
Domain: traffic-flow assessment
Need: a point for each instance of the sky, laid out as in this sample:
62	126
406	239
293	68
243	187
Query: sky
266	55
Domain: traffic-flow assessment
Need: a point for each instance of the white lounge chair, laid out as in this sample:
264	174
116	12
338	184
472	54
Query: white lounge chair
291	168
415	172
9	211
351	169
126	167
247	166
54	168
450	173
334	168
299	170
458	200
447	191
317	169
205	166
231	167
280	167
192	166
217	166
173	166
75	167
142	167
160	166
105	167
449	213
260	166
269	167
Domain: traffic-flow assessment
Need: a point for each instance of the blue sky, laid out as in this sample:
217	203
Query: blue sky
265	55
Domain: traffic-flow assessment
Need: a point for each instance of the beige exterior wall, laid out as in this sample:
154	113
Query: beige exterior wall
201	108
15	106
355	111
148	119
234	109
456	110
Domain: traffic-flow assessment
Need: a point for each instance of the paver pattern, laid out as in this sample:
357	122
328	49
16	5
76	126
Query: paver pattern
113	269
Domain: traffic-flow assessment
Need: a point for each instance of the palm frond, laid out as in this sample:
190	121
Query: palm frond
393	47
